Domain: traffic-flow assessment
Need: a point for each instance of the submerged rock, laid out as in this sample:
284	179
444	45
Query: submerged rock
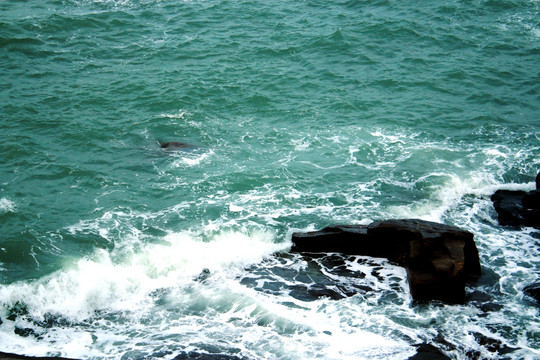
314	292
439	258
518	208
9	356
533	291
194	355
175	145
428	352
491	344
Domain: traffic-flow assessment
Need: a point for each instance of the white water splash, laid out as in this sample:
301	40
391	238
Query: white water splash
7	206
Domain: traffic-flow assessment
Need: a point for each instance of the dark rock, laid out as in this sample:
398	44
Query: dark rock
533	291
203	276
18	309
492	345
342	239
25	332
439	258
538	181
314	292
518	208
175	145
491	307
9	356
205	356
428	352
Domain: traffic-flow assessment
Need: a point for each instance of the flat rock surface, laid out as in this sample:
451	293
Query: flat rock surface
439	258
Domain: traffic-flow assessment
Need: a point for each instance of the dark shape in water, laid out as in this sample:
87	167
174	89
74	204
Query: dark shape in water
25	332
9	356
175	145
517	208
492	345
204	356
439	258
533	291
428	352
314	292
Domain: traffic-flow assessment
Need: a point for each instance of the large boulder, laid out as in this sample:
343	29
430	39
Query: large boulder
439	258
518	208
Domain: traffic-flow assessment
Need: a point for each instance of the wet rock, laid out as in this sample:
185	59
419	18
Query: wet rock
342	239
533	291
314	292
483	301
518	208
439	258
428	352
491	307
9	356
175	145
193	355
492	345
203	276
25	332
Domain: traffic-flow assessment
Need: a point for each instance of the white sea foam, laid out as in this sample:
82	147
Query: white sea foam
7	206
452	191
388	138
121	281
190	158
191	311
179	115
235	208
300	144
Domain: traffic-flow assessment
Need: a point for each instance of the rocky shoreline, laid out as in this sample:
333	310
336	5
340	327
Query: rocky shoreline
424	352
440	259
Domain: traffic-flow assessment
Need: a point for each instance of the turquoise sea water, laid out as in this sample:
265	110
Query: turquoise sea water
301	114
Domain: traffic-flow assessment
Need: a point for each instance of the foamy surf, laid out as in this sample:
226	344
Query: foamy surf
7	206
120	280
186	290
191	158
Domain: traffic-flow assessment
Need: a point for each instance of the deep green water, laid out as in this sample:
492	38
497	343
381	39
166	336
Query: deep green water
300	114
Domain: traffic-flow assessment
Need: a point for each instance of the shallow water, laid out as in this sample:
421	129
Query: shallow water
301	115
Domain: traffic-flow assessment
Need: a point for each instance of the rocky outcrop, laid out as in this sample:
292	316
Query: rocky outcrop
518	208
428	352
533	291
439	258
9	356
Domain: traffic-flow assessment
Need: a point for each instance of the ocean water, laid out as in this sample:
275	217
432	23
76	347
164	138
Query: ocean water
299	115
